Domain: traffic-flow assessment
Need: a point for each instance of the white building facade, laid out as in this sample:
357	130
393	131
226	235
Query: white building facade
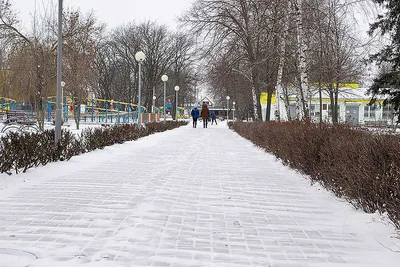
353	105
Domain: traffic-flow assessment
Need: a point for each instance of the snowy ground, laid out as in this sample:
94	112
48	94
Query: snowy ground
186	197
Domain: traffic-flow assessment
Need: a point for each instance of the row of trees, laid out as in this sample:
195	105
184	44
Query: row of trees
278	46
94	59
288	47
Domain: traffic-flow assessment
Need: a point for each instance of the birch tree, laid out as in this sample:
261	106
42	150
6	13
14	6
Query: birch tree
282	56
303	90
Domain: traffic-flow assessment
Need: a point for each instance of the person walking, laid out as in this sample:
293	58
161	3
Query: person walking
195	115
213	117
205	114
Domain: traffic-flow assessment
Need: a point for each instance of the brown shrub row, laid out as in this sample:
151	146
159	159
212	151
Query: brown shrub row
21	151
360	166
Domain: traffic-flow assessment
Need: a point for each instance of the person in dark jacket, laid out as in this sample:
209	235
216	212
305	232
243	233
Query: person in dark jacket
195	115
205	114
213	117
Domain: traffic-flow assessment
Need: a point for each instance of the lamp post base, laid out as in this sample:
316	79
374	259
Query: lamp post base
58	125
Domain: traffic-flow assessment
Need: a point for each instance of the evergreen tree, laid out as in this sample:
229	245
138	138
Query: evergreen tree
388	82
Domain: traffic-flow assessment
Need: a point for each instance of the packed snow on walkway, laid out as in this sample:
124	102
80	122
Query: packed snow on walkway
186	197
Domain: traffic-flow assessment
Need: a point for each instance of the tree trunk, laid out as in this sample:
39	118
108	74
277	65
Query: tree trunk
77	112
269	102
256	92
336	97
255	103
286	102
282	57
332	100
278	98
320	100
396	124
301	50
38	94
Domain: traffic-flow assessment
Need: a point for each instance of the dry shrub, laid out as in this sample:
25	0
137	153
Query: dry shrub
360	166
155	127
21	151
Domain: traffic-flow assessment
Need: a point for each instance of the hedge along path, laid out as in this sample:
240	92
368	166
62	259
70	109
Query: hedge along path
20	151
359	166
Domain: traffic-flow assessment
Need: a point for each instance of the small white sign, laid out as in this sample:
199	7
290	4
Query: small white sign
83	109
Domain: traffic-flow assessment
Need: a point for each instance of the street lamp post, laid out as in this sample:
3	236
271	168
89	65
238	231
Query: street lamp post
140	57
153	110
227	108
57	134
233	111
176	102
62	89
62	101
164	78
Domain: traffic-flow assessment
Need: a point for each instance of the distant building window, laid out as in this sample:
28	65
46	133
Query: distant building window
370	112
324	106
330	110
313	110
366	112
292	111
387	112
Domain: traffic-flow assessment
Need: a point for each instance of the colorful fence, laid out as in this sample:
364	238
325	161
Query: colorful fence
92	110
7	104
181	112
101	111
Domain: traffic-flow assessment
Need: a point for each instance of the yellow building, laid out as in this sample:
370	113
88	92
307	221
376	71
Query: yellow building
353	104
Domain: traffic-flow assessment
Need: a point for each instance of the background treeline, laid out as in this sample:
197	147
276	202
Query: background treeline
239	48
291	47
96	60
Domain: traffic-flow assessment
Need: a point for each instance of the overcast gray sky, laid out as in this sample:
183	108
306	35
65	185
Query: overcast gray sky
113	12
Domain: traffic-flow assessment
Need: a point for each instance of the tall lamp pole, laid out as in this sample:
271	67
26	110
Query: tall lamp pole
154	104
59	74
233	116
164	78
227	108
176	102
140	57
62	102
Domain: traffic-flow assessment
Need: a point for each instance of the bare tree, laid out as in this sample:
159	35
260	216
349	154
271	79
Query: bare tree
157	43
282	57
336	60
80	36
250	25
226	78
166	53
37	48
182	62
302	95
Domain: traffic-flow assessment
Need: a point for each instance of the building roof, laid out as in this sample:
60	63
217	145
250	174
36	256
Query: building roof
347	93
207	100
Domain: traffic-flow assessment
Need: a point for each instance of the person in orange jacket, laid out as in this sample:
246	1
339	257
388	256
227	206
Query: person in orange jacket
205	114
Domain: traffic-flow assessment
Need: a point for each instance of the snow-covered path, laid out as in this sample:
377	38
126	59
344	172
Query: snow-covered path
187	197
